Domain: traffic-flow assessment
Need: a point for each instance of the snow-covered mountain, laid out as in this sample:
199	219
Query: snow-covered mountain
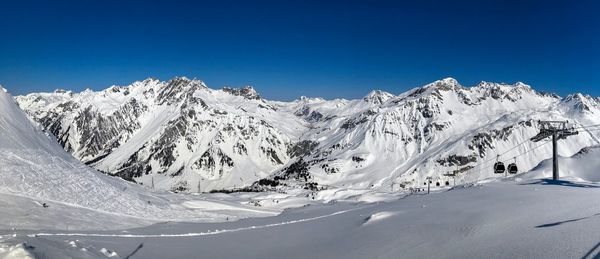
181	135
34	164
36	169
172	135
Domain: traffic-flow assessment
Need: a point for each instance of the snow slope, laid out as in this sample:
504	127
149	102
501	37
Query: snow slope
584	166
35	169
18	133
500	219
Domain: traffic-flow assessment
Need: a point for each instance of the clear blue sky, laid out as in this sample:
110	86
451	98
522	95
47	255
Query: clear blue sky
290	48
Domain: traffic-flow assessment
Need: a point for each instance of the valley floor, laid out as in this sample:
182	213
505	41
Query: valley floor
500	219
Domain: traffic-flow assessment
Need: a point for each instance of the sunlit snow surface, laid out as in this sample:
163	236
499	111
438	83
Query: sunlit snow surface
508	219
517	217
91	215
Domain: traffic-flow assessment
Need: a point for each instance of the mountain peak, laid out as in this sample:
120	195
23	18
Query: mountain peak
579	97
521	84
62	91
580	101
377	97
4	92
307	99
147	81
190	82
247	92
449	81
487	85
87	91
518	84
444	84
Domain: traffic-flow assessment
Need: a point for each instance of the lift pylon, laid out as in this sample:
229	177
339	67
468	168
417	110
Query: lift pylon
557	130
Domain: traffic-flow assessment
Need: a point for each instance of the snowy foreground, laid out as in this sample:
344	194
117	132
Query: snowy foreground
508	219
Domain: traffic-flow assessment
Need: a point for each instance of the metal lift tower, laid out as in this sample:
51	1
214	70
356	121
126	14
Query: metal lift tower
557	130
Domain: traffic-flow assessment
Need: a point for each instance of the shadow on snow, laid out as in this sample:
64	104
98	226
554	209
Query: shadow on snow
562	183
590	254
565	221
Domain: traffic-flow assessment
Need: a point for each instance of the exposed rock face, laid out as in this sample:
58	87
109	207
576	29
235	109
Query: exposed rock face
247	92
178	132
183	136
378	97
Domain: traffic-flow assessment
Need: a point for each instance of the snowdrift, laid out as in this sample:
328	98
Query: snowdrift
583	167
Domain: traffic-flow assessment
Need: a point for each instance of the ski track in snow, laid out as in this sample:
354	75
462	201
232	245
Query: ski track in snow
216	232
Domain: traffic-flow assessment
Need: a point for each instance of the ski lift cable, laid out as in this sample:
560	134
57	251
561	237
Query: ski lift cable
589	131
592	130
528	151
525	141
518	155
513	148
587	126
501	154
595	127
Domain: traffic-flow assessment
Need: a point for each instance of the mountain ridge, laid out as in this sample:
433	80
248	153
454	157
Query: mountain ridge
183	136
37	169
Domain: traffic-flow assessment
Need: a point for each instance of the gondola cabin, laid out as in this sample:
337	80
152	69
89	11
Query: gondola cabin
499	168
513	169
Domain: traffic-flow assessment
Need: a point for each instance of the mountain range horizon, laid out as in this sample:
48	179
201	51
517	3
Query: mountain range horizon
181	135
64	89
